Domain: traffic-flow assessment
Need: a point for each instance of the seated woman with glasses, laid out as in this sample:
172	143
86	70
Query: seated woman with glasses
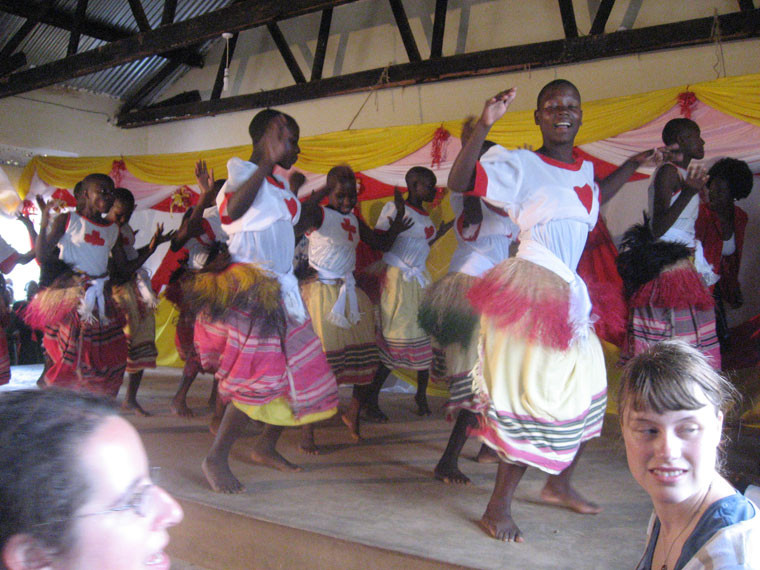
671	406
75	487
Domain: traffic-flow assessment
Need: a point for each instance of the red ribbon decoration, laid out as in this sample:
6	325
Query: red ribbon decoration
686	101
117	168
438	152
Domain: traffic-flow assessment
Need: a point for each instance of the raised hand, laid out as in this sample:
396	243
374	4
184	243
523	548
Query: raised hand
204	177
159	237
696	180
495	107
445	226
276	140
296	180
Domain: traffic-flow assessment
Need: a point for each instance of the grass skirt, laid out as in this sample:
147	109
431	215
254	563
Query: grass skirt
140	329
351	353
86	355
447	315
529	299
675	304
403	342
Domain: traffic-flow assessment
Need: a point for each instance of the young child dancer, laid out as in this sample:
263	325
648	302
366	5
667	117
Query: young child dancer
668	295
201	234
402	342
541	372
83	328
254	329
134	296
720	229
341	312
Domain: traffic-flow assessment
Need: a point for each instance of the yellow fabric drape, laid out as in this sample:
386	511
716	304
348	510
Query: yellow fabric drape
371	148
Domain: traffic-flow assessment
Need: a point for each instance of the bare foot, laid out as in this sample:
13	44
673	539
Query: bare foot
221	478
275	461
373	413
134	408
309	448
422	405
179	408
486	455
450	475
569	498
353	427
503	529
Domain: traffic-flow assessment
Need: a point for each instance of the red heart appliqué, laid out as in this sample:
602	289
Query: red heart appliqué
429	231
292	206
585	195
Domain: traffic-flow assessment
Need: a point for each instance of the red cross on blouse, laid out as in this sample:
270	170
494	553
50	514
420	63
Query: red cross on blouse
351	229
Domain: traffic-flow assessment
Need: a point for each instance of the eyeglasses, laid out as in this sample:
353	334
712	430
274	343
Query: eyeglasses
140	500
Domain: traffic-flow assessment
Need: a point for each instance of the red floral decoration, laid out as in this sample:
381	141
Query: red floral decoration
28	208
686	102
438	152
181	200
118	168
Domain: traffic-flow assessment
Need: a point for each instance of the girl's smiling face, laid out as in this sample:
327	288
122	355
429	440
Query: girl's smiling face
673	455
559	114
343	196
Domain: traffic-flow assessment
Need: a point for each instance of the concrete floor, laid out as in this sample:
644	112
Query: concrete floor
376	504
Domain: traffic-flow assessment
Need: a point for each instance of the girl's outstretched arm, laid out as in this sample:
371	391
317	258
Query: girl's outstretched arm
610	185
462	175
383	241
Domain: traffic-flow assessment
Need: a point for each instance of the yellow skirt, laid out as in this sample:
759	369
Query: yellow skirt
351	352
403	342
541	403
278	413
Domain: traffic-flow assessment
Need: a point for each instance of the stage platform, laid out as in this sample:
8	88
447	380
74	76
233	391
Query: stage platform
375	504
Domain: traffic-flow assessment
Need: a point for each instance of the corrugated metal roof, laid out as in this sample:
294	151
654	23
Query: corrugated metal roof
47	43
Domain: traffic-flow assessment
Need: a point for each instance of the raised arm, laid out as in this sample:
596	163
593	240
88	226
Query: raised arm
159	237
668	182
50	232
311	213
610	185
192	226
275	145
383	241
462	175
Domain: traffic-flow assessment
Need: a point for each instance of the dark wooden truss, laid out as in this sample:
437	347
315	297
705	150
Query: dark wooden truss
175	41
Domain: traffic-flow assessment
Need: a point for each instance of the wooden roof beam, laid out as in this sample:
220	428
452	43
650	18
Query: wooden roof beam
602	15
137	11
170	10
287	55
735	26
16	39
439	26
12	63
104	32
233	18
321	50
402	22
79	18
567	12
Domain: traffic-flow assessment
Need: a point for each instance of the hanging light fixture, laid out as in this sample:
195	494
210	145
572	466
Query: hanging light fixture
226	81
